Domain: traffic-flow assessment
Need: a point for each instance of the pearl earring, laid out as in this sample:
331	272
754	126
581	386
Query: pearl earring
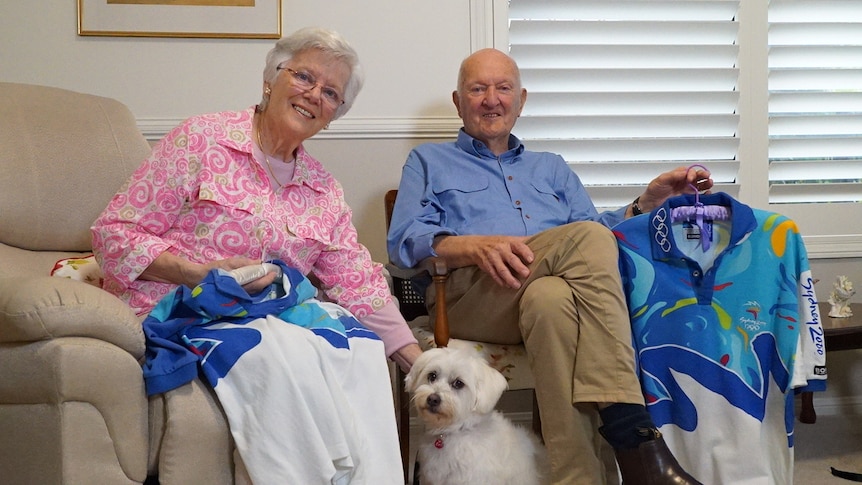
267	91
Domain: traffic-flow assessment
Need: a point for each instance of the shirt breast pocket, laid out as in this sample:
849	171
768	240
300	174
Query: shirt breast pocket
215	200
545	191
307	235
469	202
225	221
312	234
463	191
552	206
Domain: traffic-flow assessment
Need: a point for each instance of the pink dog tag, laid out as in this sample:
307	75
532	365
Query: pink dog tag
438	443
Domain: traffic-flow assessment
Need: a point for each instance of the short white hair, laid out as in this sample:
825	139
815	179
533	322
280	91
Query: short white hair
327	41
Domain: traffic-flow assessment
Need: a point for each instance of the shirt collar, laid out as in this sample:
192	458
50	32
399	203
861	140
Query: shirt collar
475	147
309	171
741	215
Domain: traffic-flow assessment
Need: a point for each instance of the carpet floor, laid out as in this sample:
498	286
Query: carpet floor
833	441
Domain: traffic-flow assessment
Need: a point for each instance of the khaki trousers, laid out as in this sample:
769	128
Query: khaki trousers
571	315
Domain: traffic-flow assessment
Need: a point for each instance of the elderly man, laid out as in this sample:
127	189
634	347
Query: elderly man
536	263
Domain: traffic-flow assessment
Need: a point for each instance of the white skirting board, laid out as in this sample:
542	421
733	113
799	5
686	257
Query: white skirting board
833	406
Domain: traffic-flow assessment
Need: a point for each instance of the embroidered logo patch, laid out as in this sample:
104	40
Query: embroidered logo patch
751	321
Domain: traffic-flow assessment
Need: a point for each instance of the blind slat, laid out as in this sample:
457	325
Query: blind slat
633	57
817	102
815	124
622	10
820	147
812	34
644	150
807	81
625	103
816	193
557	32
631	126
796	170
554	79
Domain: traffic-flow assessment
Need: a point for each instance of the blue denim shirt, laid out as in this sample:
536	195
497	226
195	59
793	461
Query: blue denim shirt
462	188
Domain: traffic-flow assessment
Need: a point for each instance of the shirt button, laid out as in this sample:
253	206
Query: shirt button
517	202
511	178
695	273
527	216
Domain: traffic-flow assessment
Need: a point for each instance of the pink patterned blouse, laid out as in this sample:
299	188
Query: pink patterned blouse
202	196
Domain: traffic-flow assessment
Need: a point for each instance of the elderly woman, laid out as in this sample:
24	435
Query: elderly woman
231	189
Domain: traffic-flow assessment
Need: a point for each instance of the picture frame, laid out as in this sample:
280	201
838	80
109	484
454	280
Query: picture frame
235	19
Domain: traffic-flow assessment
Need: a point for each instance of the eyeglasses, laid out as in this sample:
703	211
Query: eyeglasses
306	81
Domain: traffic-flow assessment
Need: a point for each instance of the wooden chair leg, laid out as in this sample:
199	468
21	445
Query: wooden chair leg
403	419
808	415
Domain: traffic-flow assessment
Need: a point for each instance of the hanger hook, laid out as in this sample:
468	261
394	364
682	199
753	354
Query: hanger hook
694	187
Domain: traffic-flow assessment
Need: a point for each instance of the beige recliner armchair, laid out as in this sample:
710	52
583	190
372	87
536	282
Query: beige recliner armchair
72	402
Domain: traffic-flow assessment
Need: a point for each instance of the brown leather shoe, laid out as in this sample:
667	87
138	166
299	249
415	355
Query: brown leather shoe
652	463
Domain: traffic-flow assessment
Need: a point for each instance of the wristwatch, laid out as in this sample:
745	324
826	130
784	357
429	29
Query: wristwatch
636	209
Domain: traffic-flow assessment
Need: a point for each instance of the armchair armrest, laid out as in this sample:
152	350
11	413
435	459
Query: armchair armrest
46	307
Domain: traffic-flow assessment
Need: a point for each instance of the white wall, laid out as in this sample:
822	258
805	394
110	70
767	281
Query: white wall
411	51
167	78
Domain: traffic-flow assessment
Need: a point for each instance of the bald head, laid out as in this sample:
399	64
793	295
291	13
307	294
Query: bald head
485	57
489	97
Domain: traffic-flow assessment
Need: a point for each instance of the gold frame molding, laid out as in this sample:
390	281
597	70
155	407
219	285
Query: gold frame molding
172	18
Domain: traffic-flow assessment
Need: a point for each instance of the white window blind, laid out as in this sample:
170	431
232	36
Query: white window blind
815	101
627	89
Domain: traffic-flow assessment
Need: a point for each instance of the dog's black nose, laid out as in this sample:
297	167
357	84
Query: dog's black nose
433	401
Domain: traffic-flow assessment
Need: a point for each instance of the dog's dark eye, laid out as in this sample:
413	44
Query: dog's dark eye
432	376
457	384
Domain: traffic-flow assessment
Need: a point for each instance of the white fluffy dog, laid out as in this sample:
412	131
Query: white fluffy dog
466	441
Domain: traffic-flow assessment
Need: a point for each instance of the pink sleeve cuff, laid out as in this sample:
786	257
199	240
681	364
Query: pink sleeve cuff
390	326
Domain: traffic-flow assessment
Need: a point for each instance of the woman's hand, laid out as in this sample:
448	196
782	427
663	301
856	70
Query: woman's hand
406	356
228	264
170	268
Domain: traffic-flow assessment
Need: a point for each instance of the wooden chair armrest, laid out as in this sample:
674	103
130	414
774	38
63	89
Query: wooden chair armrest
439	271
434	266
403	273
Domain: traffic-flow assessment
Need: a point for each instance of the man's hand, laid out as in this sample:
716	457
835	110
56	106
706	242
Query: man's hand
678	181
505	258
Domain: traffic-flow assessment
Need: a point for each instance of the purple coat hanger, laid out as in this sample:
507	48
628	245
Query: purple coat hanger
698	213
